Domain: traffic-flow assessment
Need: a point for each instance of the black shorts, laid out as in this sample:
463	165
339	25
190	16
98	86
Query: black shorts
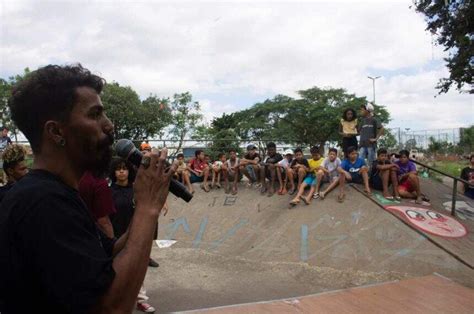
356	177
376	182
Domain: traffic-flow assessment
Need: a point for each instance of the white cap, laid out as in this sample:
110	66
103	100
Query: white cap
369	107
288	152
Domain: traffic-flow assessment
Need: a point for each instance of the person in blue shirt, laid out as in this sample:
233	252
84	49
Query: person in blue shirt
355	169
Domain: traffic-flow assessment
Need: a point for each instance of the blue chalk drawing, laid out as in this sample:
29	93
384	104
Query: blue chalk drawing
173	227
202	228
304	243
229	233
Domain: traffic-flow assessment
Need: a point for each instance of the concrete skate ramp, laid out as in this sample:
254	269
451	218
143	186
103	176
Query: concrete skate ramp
249	247
429	294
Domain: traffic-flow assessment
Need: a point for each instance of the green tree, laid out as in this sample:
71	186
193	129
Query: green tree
132	118
451	22
434	146
6	86
467	138
312	119
388	141
156	115
410	144
185	116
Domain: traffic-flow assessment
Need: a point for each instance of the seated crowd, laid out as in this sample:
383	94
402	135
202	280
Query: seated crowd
292	173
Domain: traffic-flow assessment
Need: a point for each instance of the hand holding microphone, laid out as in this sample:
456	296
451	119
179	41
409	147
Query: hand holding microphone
125	149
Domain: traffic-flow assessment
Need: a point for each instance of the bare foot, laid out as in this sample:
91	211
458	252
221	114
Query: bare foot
306	200
322	195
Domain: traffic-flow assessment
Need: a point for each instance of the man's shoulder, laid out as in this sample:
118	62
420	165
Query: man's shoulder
36	188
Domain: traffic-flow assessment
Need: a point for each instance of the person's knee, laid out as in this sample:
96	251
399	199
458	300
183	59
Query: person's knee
413	178
363	170
301	171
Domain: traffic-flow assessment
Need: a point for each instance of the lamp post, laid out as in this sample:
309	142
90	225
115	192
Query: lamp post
373	85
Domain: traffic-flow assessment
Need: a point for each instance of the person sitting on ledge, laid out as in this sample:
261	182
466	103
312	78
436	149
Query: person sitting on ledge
384	173
408	180
199	169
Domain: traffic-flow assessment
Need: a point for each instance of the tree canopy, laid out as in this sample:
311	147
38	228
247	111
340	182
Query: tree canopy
451	21
313	119
133	118
6	86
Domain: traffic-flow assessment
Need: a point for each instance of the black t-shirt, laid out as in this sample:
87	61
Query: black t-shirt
53	258
123	201
3	190
374	171
273	159
252	157
467	174
303	162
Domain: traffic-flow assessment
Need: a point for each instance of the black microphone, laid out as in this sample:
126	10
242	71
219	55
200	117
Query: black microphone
124	148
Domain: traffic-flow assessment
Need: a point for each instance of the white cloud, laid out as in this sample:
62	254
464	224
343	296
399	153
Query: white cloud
255	48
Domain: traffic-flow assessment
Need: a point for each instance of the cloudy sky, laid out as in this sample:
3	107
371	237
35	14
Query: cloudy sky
230	55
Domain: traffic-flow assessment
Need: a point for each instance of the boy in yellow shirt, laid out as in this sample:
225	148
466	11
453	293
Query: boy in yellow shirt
314	176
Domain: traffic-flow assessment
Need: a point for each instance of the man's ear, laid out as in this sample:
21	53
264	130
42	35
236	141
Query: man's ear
53	131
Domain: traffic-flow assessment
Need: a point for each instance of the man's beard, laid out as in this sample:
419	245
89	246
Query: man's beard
101	165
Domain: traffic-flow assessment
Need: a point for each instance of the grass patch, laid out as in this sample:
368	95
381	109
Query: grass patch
451	167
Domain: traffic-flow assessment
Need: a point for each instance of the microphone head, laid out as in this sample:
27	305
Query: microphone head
124	147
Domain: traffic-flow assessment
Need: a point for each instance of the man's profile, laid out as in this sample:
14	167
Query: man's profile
50	248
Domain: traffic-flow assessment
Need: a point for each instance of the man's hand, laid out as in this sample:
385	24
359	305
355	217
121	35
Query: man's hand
152	183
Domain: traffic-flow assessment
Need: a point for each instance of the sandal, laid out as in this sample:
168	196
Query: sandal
305	201
398	198
389	197
322	195
294	202
234	191
292	191
368	193
340	198
316	196
205	187
218	185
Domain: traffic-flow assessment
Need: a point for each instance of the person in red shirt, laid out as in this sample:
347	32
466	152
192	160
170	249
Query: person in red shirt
199	169
97	196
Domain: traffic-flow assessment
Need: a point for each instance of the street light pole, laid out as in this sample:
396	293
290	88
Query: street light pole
373	85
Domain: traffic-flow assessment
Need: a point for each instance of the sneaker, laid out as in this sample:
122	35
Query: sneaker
145	307
153	263
316	195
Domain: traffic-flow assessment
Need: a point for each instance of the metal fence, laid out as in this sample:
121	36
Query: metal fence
405	138
421	138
